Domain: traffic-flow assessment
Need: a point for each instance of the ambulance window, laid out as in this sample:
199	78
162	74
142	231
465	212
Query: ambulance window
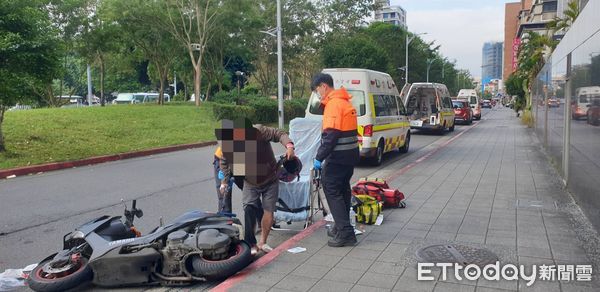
473	100
385	105
358	101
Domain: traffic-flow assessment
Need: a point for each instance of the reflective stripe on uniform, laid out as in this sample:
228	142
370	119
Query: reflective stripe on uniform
345	140
343	147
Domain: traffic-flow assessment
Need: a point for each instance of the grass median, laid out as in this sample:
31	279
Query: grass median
62	134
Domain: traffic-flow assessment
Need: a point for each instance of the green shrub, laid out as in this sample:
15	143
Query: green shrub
232	112
229	97
527	118
250	89
294	108
179	96
266	109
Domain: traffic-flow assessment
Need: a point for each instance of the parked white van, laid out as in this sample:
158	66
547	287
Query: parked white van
140	97
382	122
472	97
429	106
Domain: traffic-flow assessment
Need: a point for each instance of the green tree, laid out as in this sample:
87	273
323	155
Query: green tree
563	24
142	22
193	23
356	51
27	53
99	38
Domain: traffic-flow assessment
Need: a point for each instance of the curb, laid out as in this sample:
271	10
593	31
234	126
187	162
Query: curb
19	171
263	261
267	258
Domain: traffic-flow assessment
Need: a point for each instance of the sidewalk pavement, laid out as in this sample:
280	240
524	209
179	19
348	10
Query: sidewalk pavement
490	188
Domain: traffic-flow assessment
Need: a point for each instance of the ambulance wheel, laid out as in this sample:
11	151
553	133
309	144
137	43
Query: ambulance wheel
404	148
402	204
378	158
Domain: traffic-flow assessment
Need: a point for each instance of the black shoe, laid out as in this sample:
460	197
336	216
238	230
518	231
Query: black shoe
339	242
331	232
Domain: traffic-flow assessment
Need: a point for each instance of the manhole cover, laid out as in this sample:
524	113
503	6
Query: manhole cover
456	253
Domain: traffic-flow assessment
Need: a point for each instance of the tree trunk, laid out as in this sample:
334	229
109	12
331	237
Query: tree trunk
161	91
62	79
197	83
2	147
208	90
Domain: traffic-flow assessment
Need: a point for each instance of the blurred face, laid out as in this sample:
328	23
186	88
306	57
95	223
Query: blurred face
321	90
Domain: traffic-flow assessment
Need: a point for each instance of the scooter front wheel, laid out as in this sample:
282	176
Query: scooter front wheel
50	276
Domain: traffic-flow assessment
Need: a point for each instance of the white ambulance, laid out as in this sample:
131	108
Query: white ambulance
382	122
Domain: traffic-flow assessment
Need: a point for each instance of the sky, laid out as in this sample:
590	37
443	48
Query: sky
459	26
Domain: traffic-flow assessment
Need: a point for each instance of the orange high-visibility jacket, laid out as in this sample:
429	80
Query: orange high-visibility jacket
339	141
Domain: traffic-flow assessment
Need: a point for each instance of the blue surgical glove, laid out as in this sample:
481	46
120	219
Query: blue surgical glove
221	175
317	164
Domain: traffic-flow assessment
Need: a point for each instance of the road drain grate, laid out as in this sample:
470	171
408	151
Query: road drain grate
456	253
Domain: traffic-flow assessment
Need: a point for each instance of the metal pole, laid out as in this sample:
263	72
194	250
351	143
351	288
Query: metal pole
175	83
89	84
279	67
567	130
406	60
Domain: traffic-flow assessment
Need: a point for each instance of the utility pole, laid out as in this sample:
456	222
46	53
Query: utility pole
89	85
175	83
279	67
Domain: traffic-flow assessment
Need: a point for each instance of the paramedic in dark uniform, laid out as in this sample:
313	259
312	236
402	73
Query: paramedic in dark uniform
337	155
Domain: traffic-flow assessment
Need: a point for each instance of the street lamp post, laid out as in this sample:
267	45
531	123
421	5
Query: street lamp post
429	62
272	32
279	67
408	40
239	75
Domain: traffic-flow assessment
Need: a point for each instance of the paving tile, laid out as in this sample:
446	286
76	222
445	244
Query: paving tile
373	245
247	287
264	278
486	289
387	268
378	280
296	283
440	235
452	287
471	238
343	275
361	288
534	252
324	260
355	264
393	253
331	286
362	253
311	271
280	267
334	251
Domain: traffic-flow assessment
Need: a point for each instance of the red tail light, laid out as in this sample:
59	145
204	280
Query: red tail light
368	131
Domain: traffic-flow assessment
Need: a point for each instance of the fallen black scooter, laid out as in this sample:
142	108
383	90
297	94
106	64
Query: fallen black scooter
110	252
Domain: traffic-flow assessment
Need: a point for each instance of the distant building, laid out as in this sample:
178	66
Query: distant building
511	42
492	61
395	15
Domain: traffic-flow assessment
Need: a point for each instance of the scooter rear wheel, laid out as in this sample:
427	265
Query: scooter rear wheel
240	257
48	278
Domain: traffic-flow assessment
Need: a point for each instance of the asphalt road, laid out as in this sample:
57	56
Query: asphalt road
37	210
